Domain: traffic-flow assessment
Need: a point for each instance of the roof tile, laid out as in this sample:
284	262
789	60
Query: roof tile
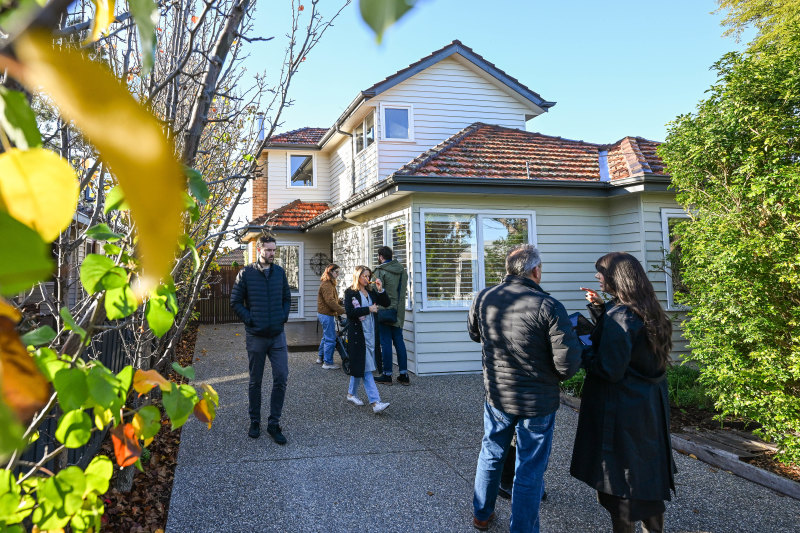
293	214
309	136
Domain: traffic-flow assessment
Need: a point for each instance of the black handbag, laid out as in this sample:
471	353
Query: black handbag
388	316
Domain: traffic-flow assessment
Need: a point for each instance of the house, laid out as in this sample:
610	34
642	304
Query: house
435	162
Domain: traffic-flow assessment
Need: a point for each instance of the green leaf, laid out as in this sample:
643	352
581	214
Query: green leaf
74	429
11	432
18	120
187	372
179	402
98	474
147	422
39	336
120	302
197	185
102	386
145	14
102	232
26	258
71	388
381	14
93	268
70	324
115	199
125	378
190	206
111	249
48	362
161	309
185	241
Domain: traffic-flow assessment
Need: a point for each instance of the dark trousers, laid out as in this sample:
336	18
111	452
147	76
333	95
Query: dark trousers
258	349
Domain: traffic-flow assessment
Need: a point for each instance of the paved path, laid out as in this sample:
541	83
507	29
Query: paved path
410	469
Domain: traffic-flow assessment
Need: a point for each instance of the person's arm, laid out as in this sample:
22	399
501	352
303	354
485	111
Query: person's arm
564	342
238	293
329	297
472	321
287	299
611	355
381	298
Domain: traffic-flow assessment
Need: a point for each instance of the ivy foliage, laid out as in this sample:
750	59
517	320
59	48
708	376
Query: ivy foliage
736	165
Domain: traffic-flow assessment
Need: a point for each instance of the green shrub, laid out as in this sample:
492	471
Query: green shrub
685	390
574	385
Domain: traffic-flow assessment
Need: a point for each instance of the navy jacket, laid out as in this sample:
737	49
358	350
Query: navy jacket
528	346
262	299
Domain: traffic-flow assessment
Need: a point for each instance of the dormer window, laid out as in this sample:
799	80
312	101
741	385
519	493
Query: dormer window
302	170
398	122
364	134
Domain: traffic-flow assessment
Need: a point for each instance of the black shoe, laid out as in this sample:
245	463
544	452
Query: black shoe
544	496
255	430
384	379
504	492
402	379
275	432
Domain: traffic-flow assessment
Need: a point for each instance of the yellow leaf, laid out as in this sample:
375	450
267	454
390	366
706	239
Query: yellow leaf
144	380
103	17
22	385
40	189
8	310
130	140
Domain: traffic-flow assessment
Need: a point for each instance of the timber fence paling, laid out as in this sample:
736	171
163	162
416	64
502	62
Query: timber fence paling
214	306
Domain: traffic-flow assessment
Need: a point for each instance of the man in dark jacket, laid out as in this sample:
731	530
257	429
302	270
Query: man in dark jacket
262	299
394	277
528	347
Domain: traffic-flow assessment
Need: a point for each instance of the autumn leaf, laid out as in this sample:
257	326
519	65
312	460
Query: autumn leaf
205	412
114	122
24	388
8	310
126	447
144	380
40	189
103	17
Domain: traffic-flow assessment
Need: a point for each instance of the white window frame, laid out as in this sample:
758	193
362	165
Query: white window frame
480	214
667	214
363	126
313	170
390	105
367	257
300	279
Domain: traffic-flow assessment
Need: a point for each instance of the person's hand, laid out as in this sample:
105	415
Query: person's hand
378	284
373	308
592	297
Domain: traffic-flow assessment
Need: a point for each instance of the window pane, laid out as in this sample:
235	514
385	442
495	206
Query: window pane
450	258
288	257
499	236
358	138
674	256
369	130
396	123
396	238
375	242
302	171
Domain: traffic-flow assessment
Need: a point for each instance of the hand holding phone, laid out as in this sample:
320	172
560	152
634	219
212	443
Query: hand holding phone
592	296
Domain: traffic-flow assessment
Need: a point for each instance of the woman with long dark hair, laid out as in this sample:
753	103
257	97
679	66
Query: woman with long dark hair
361	303
328	309
622	446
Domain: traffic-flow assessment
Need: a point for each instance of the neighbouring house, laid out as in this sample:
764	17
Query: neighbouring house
435	162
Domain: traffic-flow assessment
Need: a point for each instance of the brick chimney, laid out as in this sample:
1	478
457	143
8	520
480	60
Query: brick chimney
258	202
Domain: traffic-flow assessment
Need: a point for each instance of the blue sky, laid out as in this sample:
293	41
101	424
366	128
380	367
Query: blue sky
614	68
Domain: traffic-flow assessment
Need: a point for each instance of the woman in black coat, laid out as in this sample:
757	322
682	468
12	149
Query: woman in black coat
622	445
363	344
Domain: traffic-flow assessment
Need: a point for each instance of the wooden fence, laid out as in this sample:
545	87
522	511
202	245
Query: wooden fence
214	302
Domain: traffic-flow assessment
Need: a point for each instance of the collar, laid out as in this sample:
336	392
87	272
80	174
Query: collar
528	282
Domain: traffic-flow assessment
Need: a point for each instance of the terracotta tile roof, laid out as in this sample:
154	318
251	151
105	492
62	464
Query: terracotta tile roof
309	136
487	151
293	214
229	258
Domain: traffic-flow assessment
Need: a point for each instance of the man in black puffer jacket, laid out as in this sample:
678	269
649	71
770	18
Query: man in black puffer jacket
528	347
262	299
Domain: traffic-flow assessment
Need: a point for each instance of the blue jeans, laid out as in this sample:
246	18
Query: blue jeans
534	440
389	335
258	349
369	387
328	342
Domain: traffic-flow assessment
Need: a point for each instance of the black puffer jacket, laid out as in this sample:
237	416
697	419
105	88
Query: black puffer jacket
528	346
262	299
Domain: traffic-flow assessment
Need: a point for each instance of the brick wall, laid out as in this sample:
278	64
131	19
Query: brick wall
258	204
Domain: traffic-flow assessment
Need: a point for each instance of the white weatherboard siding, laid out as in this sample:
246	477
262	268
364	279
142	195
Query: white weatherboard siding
339	170
366	166
446	97
281	194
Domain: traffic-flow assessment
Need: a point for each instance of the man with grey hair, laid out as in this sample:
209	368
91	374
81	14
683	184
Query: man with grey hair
528	347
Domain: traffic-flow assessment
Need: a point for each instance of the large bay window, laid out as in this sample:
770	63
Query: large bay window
289	256
465	252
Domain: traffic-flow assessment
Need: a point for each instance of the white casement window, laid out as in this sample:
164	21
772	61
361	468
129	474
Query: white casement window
302	170
465	252
398	122
289	255
391	232
364	134
672	255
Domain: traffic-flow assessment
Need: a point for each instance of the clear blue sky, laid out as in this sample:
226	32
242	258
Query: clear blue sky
614	68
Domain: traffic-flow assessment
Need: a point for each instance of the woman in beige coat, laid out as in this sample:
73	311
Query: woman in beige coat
328	309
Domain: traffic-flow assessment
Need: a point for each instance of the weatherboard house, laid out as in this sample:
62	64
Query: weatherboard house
435	162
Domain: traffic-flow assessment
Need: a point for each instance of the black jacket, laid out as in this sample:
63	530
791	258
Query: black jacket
262	299
622	445
356	344
528	346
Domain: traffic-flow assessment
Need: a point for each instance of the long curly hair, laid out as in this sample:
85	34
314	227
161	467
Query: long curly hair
625	278
326	276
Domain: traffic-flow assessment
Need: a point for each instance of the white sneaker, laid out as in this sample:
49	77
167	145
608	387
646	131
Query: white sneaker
332	366
319	361
378	407
354	399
